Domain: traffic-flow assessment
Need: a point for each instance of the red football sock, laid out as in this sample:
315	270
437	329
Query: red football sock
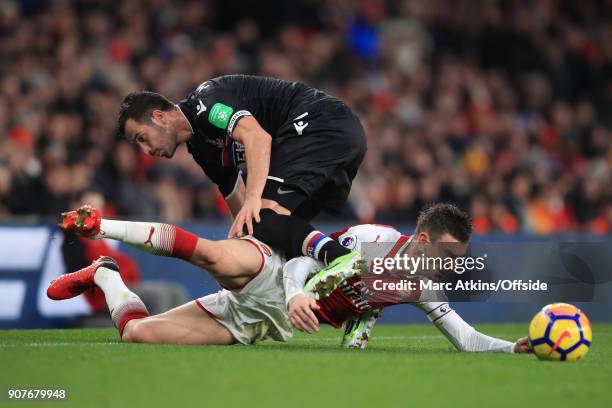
126	312
184	244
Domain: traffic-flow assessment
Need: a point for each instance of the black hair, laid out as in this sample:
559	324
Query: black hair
438	219
139	105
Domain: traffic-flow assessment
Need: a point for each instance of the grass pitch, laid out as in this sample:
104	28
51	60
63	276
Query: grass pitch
403	366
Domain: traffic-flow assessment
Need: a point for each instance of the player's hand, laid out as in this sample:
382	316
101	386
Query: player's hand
523	345
249	212
301	314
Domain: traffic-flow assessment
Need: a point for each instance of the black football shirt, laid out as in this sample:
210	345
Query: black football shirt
217	105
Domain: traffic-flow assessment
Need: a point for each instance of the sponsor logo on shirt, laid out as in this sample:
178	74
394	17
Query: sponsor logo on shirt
219	115
202	86
280	191
355	290
299	124
233	154
201	108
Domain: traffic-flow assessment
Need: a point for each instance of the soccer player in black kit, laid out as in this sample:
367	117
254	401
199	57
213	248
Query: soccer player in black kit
302	149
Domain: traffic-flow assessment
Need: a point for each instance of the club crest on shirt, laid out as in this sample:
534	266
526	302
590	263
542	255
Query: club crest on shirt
266	250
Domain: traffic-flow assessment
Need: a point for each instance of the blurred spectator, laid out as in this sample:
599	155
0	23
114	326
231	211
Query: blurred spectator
502	107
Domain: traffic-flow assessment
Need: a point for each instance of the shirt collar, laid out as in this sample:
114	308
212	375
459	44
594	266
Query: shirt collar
186	118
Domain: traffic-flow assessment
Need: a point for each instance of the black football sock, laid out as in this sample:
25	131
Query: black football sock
296	237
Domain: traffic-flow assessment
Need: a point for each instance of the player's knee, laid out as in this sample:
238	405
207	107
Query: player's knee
138	331
206	253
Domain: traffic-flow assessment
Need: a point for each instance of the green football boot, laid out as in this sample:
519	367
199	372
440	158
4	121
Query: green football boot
327	280
357	332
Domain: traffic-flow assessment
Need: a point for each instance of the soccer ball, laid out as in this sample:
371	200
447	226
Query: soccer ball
560	331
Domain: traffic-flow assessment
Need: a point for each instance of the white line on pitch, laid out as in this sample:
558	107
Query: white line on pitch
64	344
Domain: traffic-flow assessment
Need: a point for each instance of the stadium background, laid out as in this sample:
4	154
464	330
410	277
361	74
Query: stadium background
501	107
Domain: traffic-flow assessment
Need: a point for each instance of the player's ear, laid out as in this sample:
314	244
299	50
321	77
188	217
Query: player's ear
158	117
422	237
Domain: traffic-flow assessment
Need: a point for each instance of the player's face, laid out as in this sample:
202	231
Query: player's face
450	246
446	245
157	138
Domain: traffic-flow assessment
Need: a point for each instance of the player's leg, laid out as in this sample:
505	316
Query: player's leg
155	238
296	237
292	234
186	324
219	258
300	167
183	325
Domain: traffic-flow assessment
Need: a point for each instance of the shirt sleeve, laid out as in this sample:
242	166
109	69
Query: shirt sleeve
463	336
217	112
295	274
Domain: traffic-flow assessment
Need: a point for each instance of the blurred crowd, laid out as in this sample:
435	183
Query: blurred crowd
503	107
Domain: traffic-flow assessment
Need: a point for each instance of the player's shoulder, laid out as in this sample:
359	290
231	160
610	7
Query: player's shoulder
206	88
351	236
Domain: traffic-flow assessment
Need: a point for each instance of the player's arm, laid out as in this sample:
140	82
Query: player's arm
463	336
257	145
299	307
235	199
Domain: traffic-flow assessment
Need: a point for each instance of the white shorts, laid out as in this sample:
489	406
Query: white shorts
257	311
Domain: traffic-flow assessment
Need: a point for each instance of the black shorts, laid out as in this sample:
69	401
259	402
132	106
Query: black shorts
316	154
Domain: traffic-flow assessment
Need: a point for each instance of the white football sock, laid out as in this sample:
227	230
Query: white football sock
148	236
153	237
121	302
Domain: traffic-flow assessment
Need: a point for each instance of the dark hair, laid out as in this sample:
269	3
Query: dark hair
438	219
138	106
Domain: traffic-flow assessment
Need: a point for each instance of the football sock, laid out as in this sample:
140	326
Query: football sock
152	237
124	305
320	246
296	237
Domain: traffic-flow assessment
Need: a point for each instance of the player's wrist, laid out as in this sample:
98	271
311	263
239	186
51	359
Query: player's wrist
250	195
294	297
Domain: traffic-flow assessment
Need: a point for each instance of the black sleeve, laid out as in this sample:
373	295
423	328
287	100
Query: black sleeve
225	178
217	111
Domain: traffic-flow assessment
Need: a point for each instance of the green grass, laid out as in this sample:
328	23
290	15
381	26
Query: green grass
404	366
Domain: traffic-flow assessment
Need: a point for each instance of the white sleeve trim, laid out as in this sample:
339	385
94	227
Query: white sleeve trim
227	197
234	119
